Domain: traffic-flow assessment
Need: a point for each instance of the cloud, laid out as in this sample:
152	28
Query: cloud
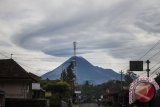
149	20
104	27
69	26
120	29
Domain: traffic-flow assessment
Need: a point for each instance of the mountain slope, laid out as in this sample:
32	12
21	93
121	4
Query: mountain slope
84	71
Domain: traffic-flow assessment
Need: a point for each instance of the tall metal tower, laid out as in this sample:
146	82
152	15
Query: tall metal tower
74	47
74	58
76	90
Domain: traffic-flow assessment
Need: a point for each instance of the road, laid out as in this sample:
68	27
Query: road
88	105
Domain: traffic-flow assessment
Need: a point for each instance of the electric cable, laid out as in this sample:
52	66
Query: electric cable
155	65
150	50
154	55
155	71
4	55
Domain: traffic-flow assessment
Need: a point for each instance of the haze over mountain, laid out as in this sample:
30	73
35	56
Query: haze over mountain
84	71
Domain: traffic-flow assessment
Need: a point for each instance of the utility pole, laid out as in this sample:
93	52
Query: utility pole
121	79
122	96
148	67
148	104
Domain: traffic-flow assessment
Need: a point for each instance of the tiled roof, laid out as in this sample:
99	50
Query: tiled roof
9	69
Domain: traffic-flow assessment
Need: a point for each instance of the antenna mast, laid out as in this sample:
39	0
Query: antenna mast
74	47
74	58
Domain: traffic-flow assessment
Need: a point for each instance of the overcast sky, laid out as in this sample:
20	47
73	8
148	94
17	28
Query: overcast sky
109	33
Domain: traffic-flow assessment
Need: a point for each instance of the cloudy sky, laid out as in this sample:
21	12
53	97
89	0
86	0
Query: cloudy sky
109	33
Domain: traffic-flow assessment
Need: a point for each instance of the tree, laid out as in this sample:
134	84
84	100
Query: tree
88	90
63	76
113	86
157	78
68	75
59	90
129	77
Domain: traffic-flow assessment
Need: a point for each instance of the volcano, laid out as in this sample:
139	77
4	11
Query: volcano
84	71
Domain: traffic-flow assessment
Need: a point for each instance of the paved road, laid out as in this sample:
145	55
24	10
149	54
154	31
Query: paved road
87	105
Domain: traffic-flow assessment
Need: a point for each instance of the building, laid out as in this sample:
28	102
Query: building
18	87
14	80
2	99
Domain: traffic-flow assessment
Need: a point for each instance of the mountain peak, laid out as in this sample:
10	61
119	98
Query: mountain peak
84	71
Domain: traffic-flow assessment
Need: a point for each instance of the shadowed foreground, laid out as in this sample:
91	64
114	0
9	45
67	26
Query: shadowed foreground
88	105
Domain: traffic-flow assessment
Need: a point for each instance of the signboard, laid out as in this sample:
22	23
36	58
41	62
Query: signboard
77	92
142	89
36	86
136	65
144	92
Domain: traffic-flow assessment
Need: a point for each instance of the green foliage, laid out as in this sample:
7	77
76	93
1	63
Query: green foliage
129	77
157	78
59	90
88	88
63	76
113	85
59	87
62	88
70	73
69	76
95	91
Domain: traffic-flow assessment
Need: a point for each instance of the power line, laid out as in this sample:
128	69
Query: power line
150	57
142	73
31	68
155	65
155	45
155	70
4	55
150	50
25	65
154	55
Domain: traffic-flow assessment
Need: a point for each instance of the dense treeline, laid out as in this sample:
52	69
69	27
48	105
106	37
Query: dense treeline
56	91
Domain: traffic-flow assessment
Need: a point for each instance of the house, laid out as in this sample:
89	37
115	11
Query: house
14	80
2	99
18	87
37	91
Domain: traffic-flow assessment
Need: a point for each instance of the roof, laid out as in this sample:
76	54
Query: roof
9	69
34	77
